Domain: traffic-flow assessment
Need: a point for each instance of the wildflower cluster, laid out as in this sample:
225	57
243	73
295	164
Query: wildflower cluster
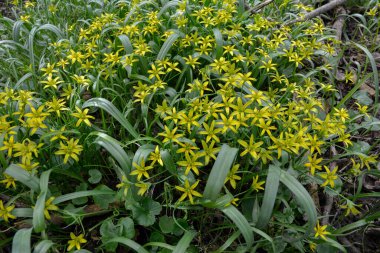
185	80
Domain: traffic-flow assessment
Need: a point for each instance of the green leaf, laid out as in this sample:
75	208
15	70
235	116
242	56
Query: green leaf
145	211
21	241
303	198
81	194
23	176
114	147
167	45
23	212
106	105
185	241
127	227
168	5
100	200
126	43
127	242
166	224
43	246
219	172
374	69
228	242
270	194
168	162
265	236
219	43
95	176
38	212
241	222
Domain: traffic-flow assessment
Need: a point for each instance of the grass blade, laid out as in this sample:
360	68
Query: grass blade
43	246
303	198
167	45
219	172
38	211
270	194
131	244
21	241
81	194
114	148
185	241
219	43
23	176
106	105
228	242
241	223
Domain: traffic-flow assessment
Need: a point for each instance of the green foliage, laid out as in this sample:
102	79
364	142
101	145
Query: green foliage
185	126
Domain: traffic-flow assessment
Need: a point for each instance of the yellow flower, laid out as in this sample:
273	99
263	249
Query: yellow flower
320	231
256	185
314	163
252	147
211	131
188	191
232	177
5	212
143	187
49	207
351	208
8	145
75	241
156	156
329	176
124	184
82	116
72	149
209	151
8	181
190	163
170	135
141	170
191	61
56	105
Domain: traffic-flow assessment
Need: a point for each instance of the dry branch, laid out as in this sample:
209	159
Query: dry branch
325	8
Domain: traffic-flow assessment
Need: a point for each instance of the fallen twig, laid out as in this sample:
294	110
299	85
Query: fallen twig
325	8
258	7
339	23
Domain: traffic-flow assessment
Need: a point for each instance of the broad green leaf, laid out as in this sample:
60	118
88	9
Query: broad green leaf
168	162
43	246
270	194
166	224
219	172
95	176
80	194
106	105
185	241
23	212
168	5
303	198
126	43
23	176
21	241
241	223
145	211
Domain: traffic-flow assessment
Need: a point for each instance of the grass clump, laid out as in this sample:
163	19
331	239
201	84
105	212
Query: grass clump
180	126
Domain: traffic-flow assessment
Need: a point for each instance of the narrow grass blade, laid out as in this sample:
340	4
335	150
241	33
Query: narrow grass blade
129	243
374	69
21	241
303	198
111	109
23	176
115	149
185	241
124	39
160	244
265	236
219	172
167	45
270	194
335	244
38	211
241	223
168	5
219	43
228	242
43	246
75	195
23	212
168	162
357	224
